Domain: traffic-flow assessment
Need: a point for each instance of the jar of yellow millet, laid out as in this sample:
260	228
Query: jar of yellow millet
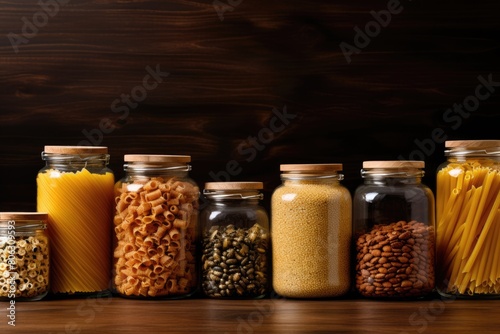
311	231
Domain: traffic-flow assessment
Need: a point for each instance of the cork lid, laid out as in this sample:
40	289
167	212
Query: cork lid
394	164
23	215
472	144
311	167
234	185
75	149
156	158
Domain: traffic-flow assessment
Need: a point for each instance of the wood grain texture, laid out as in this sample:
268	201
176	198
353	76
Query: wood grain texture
226	77
261	316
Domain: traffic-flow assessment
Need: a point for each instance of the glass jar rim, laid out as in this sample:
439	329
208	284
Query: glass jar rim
393	168
480	148
24	216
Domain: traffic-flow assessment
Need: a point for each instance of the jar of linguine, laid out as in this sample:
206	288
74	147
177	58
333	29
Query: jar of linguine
75	188
155	228
468	219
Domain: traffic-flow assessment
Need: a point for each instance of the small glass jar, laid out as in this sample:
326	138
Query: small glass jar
311	232
75	188
468	218
24	256
155	228
235	241
394	232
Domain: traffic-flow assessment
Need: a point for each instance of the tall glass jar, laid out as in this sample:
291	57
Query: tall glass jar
468	216
156	228
24	256
236	244
76	189
394	231
311	232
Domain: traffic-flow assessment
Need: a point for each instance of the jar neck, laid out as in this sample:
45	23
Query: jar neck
233	197
70	162
310	178
153	170
392	177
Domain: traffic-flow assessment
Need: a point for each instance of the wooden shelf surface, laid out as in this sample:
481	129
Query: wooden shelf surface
274	315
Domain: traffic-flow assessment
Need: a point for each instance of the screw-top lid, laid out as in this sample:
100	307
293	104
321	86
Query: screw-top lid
75	149
394	164
311	167
156	158
23	215
234	185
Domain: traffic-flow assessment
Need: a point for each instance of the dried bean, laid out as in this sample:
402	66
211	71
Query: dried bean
241	270
395	260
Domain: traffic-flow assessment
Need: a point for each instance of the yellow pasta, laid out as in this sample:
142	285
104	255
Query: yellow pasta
468	237
80	212
152	239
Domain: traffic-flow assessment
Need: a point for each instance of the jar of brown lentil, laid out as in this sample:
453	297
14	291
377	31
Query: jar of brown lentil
235	241
311	231
394	235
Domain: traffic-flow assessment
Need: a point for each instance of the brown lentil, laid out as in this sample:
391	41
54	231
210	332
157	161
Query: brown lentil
409	253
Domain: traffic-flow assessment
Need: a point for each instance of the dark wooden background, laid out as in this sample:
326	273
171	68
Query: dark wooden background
227	76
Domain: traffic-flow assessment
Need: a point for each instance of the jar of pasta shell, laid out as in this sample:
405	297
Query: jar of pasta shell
311	232
24	256
468	219
394	231
75	188
235	241
155	228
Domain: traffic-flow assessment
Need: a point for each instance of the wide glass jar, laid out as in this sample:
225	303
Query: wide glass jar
75	188
155	228
468	217
394	231
235	241
311	232
24	256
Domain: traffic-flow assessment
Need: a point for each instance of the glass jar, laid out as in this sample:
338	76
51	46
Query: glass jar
24	256
235	245
468	217
75	188
156	228
394	232
311	232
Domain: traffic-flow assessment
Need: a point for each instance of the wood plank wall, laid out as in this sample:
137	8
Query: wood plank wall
67	67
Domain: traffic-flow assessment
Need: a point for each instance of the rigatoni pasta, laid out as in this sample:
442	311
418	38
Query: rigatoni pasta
155	229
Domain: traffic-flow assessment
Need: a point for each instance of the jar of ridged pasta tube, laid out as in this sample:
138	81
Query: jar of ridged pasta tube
24	256
75	188
468	219
394	231
156	228
235	241
311	232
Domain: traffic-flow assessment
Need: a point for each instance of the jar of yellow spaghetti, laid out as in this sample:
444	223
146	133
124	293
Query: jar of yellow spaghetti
311	232
155	228
468	217
75	188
